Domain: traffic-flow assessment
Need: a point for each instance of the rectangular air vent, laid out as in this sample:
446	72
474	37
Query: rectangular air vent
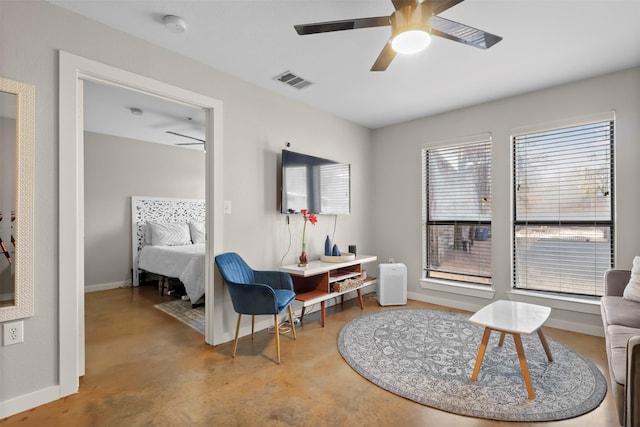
292	80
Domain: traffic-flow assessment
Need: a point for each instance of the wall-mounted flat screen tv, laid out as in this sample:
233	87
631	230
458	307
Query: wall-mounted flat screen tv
319	185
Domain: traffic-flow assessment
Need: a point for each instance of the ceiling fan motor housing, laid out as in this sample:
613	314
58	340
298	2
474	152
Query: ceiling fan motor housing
412	17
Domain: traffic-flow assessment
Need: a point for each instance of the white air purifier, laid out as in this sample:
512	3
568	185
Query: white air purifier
392	284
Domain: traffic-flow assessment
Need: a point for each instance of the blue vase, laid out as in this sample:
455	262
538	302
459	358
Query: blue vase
336	251
327	246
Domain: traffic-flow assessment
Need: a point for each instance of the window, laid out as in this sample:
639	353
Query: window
563	208
457	211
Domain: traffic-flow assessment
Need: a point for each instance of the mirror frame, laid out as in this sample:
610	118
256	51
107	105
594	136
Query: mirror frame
25	143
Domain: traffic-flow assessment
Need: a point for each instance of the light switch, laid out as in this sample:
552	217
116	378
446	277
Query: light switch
227	207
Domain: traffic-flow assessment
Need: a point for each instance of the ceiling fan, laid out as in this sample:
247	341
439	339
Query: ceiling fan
200	141
412	24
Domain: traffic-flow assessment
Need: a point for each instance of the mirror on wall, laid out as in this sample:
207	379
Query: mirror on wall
7	197
16	199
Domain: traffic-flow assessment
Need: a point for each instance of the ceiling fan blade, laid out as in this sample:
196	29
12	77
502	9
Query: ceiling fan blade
346	24
385	58
202	141
399	4
462	33
439	6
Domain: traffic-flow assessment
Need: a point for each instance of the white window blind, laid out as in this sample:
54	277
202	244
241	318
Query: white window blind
563	208
457	212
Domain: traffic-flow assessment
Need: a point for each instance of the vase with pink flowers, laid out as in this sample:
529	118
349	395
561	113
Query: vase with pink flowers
308	217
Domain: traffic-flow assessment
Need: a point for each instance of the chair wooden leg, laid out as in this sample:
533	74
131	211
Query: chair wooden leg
253	323
293	325
277	330
235	345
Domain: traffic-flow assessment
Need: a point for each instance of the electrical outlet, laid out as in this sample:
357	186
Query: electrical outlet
12	333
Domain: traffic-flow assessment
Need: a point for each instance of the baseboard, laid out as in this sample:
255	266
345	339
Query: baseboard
445	302
107	286
29	401
582	328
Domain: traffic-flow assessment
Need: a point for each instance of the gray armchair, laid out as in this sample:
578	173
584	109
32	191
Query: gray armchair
621	320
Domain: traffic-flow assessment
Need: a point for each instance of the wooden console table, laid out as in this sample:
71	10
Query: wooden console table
315	283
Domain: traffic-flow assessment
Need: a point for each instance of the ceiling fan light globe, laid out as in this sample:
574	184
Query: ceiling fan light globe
411	41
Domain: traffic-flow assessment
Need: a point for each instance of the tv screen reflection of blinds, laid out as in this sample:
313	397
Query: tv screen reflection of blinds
319	185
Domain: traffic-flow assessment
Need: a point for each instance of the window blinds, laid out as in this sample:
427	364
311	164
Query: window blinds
457	210
563	208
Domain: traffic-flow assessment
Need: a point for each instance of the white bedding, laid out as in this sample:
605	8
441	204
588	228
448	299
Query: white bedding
184	262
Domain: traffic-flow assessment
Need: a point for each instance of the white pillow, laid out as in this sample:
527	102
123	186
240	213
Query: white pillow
147	233
198	232
169	234
632	290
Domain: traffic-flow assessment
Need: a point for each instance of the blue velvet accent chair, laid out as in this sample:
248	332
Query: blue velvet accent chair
256	292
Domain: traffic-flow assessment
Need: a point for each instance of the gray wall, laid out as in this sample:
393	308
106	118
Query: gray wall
398	201
115	169
256	125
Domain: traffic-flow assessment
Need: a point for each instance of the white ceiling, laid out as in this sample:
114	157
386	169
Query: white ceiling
545	43
108	111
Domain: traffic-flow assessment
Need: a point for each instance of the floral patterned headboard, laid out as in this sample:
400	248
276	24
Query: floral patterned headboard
159	209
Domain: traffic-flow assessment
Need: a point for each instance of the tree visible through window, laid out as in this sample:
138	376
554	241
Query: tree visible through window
457	212
563	208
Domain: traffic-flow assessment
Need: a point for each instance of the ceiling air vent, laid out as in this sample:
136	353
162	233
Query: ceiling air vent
292	80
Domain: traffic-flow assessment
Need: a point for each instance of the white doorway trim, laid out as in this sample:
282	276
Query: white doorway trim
73	70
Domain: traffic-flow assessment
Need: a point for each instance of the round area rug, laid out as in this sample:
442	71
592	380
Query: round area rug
428	356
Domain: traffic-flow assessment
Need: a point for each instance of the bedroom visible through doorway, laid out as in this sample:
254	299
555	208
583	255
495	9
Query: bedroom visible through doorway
139	145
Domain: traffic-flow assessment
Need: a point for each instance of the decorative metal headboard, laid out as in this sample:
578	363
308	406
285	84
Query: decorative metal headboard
159	209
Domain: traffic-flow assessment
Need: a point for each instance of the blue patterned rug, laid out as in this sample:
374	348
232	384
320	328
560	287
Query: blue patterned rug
428	356
182	311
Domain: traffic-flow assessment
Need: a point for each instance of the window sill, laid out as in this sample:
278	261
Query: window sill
589	305
459	288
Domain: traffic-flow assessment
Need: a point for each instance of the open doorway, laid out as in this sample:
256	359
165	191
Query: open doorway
74	71
140	145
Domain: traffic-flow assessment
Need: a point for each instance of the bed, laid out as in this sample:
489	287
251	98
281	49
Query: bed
168	239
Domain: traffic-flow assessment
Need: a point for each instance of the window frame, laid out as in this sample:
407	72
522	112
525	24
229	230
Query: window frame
485	138
609	223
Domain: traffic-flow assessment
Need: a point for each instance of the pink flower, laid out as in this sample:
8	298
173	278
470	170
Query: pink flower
312	218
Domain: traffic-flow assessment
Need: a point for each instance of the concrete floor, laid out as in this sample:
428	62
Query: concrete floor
144	368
